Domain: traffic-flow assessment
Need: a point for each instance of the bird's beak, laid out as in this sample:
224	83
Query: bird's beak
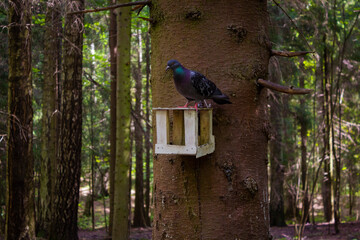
167	68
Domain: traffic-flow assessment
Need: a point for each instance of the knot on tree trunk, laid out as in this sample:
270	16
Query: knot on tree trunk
228	171
238	32
251	185
193	15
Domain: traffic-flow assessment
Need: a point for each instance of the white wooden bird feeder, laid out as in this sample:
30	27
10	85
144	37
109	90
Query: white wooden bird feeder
184	131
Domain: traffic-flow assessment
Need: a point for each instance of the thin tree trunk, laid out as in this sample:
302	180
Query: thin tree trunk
350	188
50	117
112	46
20	205
277	216
148	128
291	209
120	227
223	195
139	213
303	135
92	142
65	212
326	187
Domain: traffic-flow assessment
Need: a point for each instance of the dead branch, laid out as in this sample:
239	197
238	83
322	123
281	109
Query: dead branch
289	54
283	89
89	78
112	7
147	19
292	21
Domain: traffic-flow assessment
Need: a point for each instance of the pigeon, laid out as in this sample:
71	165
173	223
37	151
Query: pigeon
194	86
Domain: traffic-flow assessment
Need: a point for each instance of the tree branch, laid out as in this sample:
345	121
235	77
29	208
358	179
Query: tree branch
292	21
289	54
147	19
89	77
112	7
283	89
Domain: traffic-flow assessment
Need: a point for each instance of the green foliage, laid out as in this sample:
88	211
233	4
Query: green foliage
318	26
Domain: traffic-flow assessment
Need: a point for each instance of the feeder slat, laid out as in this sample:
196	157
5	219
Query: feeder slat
191	128
178	128
183	127
162	126
205	117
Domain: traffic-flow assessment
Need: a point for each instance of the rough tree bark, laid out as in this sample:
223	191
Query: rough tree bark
50	115
277	214
120	227
66	199
222	195
20	208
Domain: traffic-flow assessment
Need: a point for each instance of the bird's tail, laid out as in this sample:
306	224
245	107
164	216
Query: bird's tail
221	99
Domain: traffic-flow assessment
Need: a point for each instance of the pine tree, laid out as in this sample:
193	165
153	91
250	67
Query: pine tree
223	195
20	208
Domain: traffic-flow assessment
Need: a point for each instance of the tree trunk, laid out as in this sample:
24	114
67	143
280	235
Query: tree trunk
92	155
277	216
303	135
148	129
120	227
222	195
288	132
112	46
139	213
326	185
64	224
50	114
20	208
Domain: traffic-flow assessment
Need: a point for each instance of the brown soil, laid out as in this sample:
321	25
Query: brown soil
101	234
323	231
348	231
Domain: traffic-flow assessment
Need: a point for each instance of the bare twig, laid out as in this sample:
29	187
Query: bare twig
147	19
138	8
283	89
138	118
112	7
292	21
89	77
289	54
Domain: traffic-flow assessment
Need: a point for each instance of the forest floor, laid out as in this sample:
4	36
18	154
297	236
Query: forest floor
322	231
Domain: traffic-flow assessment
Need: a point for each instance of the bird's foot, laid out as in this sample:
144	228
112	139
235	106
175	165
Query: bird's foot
206	104
185	106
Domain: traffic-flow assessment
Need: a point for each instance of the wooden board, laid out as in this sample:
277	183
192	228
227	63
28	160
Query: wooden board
190	131
205	127
162	127
178	133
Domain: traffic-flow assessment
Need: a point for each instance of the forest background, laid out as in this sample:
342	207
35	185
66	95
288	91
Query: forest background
314	151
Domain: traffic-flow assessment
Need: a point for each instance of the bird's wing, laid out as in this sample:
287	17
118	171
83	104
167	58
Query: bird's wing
203	86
